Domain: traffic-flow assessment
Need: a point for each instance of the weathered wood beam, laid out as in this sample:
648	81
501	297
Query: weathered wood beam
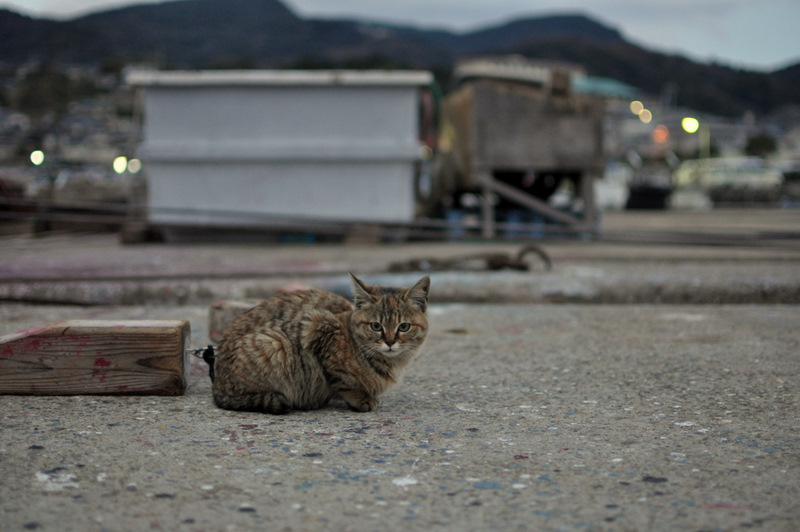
526	200
76	357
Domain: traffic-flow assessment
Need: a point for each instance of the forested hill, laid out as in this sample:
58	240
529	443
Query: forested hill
267	34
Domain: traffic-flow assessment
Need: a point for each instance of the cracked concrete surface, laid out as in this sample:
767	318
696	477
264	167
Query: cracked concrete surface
565	410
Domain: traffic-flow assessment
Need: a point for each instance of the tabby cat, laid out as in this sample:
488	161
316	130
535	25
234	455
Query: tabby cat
298	350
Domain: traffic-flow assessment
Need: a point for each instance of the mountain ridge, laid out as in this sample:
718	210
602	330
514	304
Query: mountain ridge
268	34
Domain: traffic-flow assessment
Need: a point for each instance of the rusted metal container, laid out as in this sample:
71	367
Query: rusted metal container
516	129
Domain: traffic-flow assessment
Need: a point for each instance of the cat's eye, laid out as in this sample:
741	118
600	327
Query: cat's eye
375	326
404	327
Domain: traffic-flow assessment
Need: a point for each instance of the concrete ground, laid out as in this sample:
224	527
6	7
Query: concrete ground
538	415
643	258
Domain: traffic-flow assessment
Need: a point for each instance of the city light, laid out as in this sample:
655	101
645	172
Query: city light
690	124
134	166
661	134
37	157
120	164
637	108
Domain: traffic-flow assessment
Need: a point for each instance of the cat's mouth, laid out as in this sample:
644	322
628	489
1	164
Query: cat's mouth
389	350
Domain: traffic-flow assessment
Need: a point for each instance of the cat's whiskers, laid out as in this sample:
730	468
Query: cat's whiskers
367	351
395	350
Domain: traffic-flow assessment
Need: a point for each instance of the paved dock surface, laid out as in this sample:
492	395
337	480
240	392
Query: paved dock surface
673	257
537	415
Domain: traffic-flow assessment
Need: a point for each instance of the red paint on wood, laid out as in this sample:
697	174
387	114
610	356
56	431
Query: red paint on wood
96	357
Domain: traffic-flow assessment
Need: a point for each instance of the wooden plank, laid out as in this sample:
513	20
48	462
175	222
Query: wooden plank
530	202
77	357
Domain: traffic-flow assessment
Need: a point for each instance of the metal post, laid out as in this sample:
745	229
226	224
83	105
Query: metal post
487	210
586	191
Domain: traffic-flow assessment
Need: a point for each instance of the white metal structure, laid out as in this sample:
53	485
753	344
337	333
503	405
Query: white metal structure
248	148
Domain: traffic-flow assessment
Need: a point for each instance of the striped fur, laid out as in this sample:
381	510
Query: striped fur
298	350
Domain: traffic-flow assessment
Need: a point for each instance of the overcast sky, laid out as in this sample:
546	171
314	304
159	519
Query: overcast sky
758	34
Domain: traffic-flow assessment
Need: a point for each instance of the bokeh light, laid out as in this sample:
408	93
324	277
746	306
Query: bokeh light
661	134
120	164
37	157
637	107
646	116
134	166
690	124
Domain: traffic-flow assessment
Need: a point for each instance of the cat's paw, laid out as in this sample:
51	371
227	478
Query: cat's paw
364	404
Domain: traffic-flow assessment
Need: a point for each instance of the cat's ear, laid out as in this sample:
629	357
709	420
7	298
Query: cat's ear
362	292
418	294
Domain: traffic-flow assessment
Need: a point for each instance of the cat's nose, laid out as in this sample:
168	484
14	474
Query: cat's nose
389	341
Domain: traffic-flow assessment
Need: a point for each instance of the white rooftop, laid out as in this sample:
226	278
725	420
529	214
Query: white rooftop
186	78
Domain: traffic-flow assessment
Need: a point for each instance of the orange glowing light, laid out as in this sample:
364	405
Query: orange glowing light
660	134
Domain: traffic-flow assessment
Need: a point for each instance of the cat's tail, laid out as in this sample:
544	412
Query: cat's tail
269	402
